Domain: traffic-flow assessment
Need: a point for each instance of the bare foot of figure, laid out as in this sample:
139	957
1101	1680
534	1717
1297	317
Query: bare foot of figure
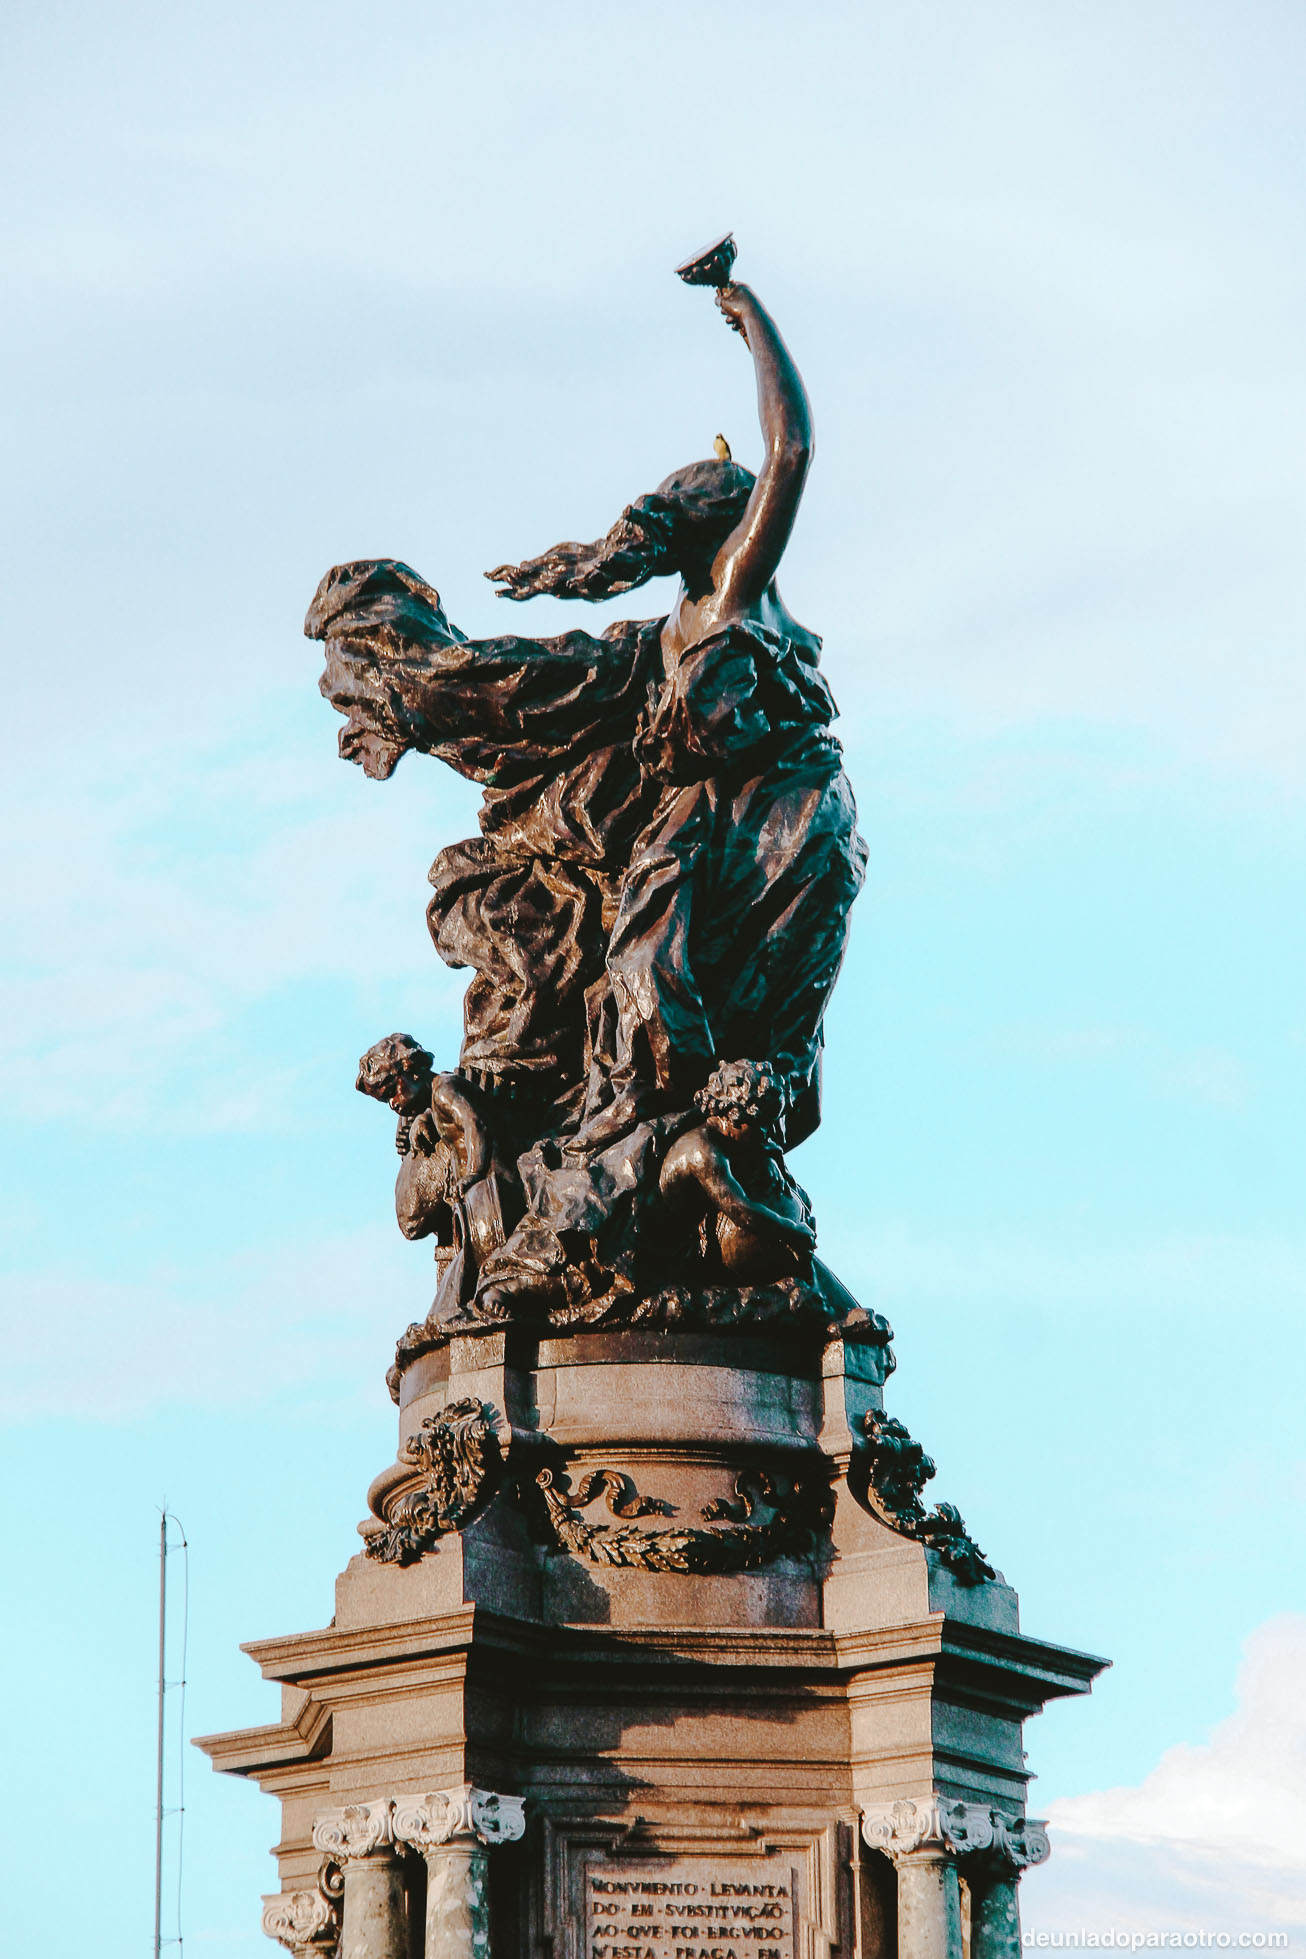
610	1124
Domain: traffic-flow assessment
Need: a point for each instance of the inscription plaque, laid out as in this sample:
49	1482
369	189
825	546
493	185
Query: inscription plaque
690	1908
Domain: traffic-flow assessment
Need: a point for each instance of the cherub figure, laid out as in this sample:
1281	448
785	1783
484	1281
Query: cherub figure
452	1184
401	1072
753	1216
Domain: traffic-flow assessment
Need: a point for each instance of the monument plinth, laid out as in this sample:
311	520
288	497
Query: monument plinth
653	1649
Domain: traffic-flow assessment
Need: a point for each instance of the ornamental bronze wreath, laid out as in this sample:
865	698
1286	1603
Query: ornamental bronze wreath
768	1517
460	1453
743	1541
896	1469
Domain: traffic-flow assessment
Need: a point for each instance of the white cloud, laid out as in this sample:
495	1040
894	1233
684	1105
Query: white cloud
1214	1838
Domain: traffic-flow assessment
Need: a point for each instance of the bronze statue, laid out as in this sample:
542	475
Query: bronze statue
661	886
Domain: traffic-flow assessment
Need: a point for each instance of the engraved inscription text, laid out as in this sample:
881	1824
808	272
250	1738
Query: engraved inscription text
689	1908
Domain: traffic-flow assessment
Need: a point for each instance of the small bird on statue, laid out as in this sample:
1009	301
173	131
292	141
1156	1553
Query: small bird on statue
722	448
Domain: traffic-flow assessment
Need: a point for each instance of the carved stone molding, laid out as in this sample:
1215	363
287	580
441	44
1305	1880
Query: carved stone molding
790	1306
897	1470
450	1815
355	1831
459	1452
968	1830
763	1524
307	1923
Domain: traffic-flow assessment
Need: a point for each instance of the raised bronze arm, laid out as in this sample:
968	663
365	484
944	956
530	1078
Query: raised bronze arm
748	560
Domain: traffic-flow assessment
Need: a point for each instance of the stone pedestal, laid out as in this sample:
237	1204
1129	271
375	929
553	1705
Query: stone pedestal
657	1615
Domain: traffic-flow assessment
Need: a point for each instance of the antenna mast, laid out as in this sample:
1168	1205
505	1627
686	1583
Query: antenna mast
166	1517
158	1814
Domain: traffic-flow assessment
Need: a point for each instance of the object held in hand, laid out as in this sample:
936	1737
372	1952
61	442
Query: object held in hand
711	266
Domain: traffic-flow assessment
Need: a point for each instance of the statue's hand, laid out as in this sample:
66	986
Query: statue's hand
736	303
423	1135
514	581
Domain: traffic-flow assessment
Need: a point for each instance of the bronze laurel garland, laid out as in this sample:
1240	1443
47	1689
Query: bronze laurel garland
741	1544
459	1452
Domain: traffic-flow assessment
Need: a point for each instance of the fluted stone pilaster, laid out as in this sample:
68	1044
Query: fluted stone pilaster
930	1843
360	1837
995	1916
455	1829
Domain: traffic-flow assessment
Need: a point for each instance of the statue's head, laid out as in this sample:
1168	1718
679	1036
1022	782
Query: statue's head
742	1099
397	1070
677	529
370	613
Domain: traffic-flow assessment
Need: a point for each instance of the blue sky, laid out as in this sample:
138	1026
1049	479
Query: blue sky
297	284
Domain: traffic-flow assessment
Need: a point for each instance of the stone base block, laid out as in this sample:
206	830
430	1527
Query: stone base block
646	1627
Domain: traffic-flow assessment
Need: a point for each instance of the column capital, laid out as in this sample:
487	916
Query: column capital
307	1923
1016	1842
944	1829
461	1814
355	1831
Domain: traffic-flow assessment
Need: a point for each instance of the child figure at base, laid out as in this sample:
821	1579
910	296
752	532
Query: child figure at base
753	1213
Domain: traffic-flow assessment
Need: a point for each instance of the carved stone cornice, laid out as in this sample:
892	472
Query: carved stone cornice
307	1923
458	1815
789	1305
355	1831
969	1830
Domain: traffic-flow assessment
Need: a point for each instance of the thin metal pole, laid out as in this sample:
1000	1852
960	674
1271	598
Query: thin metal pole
158	1818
